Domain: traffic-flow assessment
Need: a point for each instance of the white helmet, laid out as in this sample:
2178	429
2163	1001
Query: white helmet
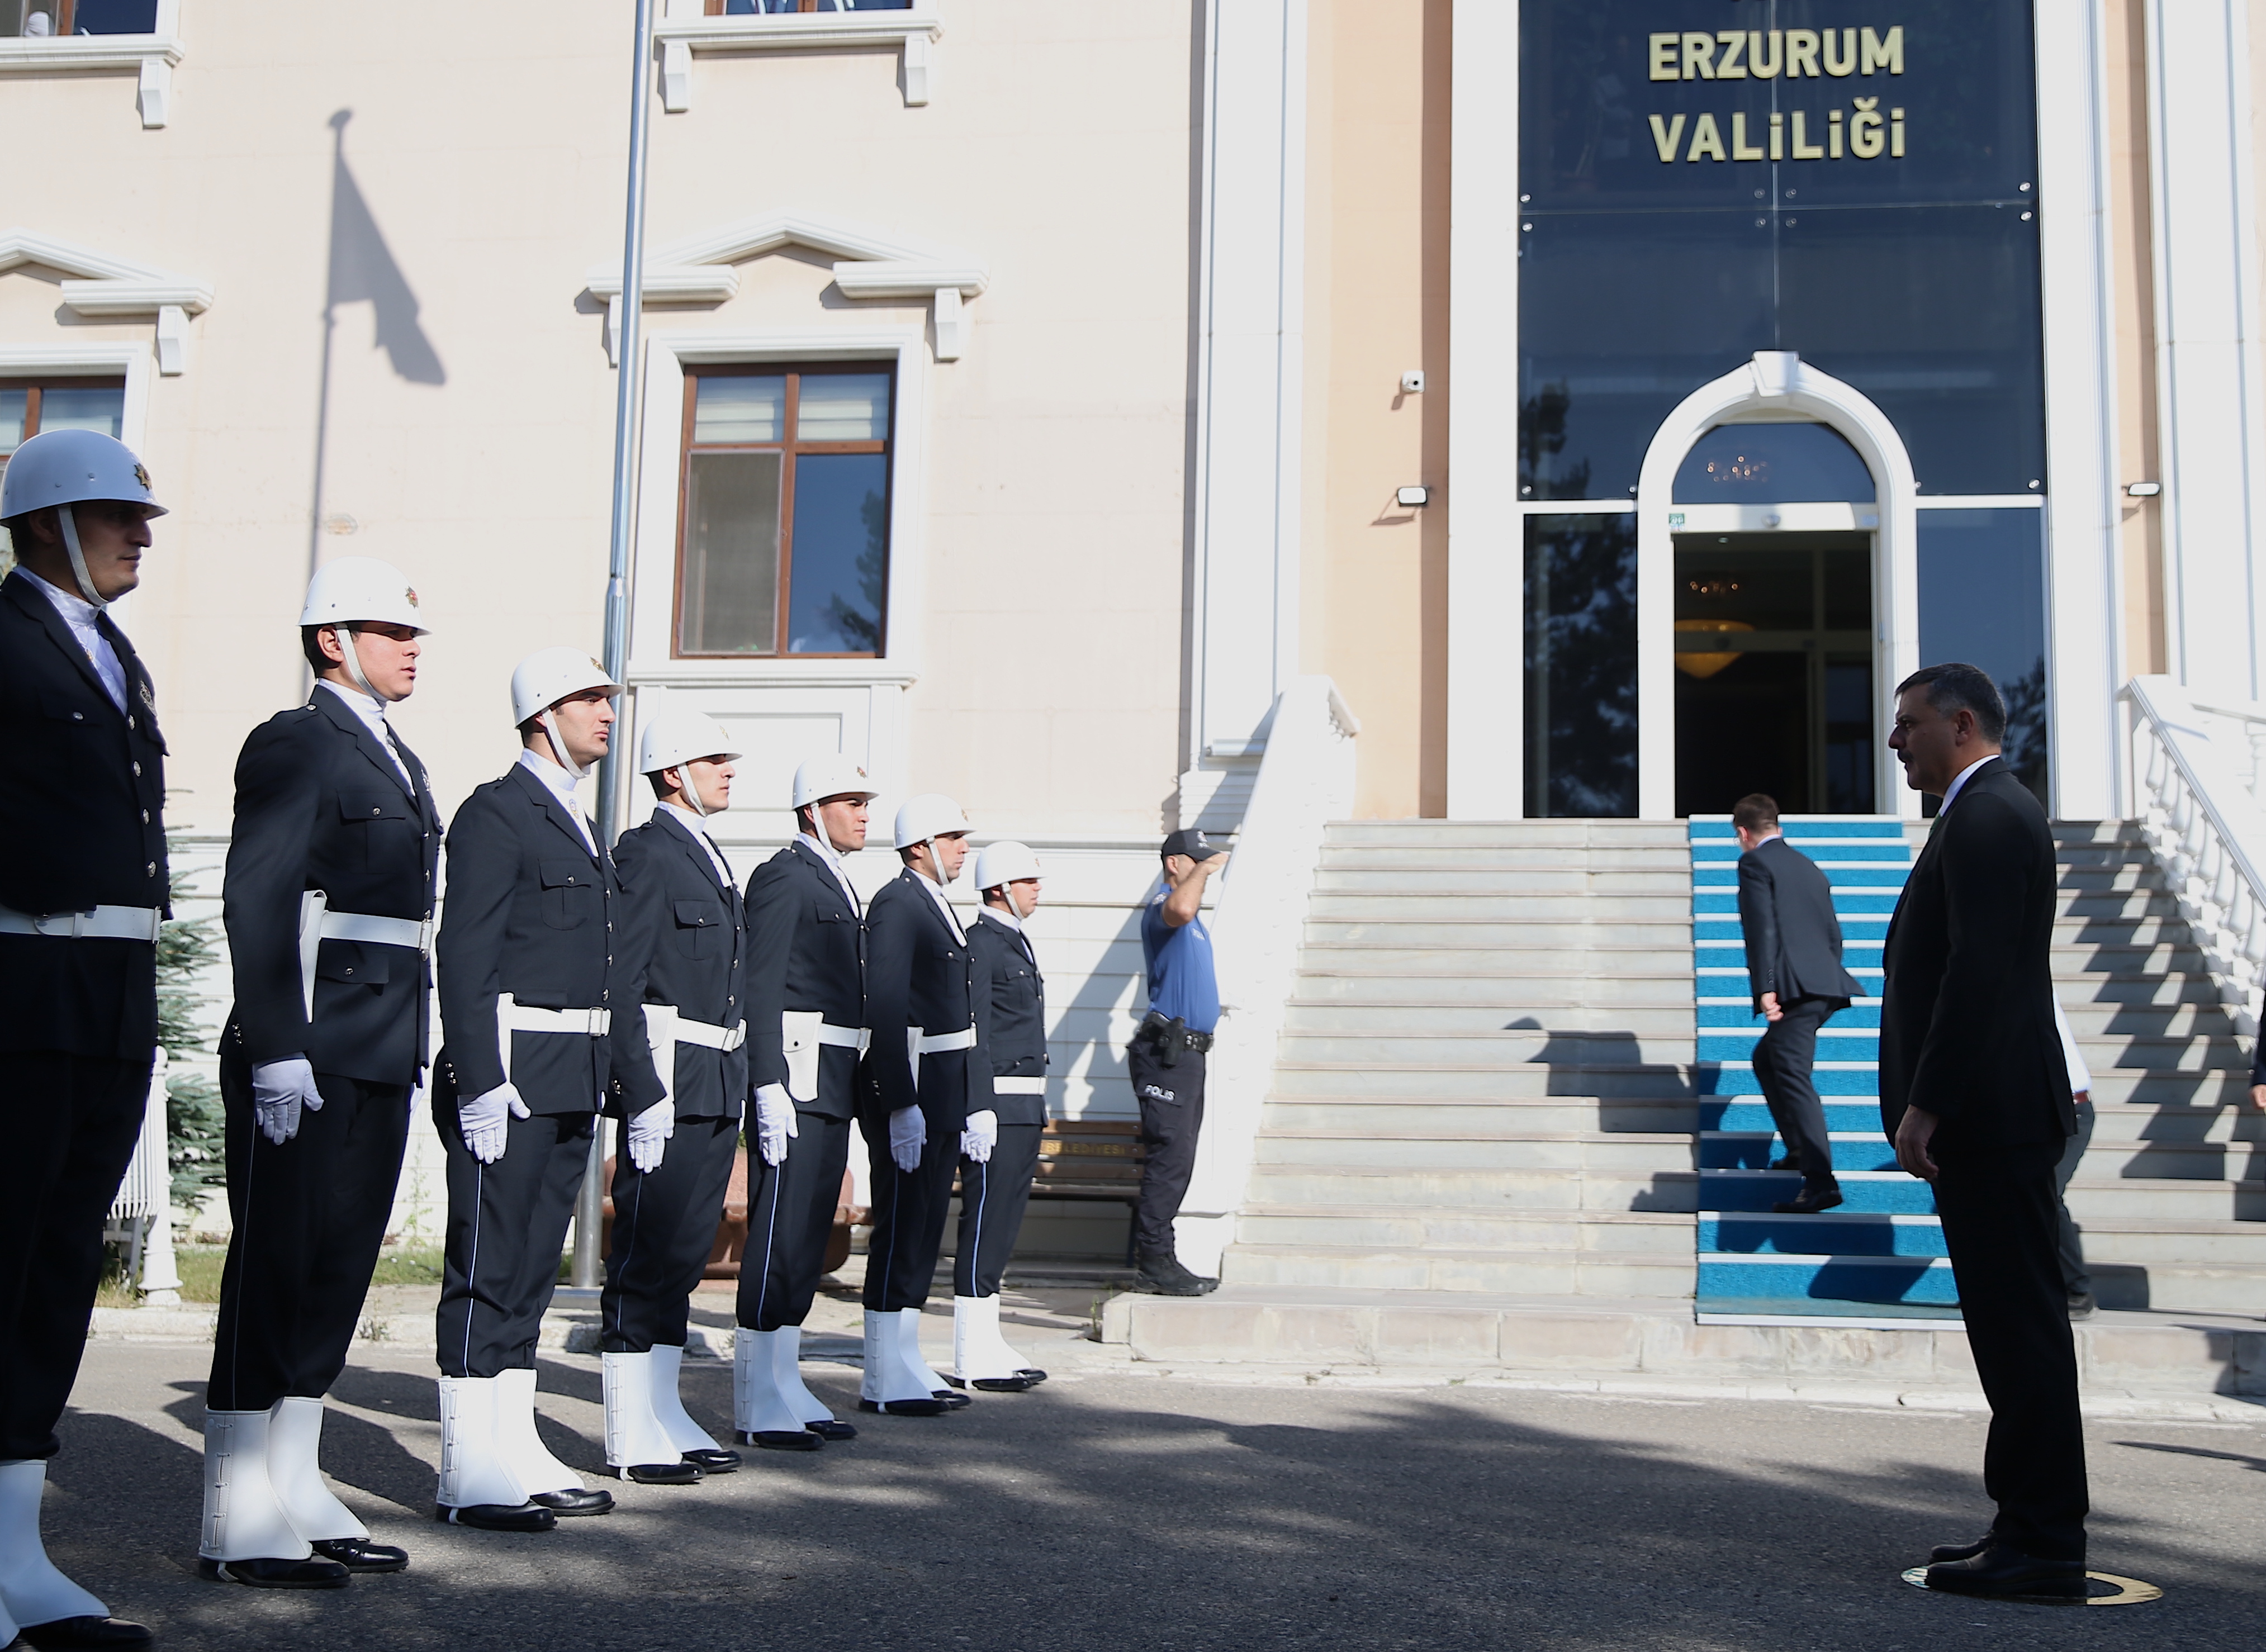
675	736
74	467
347	589
832	774
548	676
1005	861
932	815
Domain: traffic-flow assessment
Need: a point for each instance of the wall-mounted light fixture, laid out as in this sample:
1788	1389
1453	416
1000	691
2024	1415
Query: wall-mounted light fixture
1413	498
2144	490
1412	381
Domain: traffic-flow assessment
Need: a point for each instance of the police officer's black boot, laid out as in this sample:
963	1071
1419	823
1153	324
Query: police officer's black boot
1162	1274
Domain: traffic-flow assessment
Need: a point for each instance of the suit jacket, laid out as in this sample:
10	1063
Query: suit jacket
320	805
919	974
81	825
1011	1004
806	952
1966	1022
694	930
532	912
1794	940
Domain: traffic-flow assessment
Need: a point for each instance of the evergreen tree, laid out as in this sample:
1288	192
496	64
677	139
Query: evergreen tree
195	1152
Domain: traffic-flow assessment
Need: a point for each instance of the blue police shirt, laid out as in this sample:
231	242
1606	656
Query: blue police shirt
1182	985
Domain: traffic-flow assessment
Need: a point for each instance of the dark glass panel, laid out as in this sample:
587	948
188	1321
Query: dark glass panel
1581	665
1849	735
1983	601
115	17
729	598
1732	581
1744	728
1772	464
841	553
1849	589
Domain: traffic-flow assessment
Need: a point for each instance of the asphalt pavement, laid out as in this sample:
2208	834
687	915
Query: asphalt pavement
1104	1511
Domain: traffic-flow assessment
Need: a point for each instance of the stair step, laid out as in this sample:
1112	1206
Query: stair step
1551	1272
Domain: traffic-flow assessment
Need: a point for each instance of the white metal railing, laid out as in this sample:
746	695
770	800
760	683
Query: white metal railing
1305	780
143	1209
2245	720
2193	772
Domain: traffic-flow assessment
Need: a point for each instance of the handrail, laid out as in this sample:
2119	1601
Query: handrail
1305	780
2201	816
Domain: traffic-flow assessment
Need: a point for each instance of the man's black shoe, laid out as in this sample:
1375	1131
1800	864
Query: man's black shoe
82	1634
2081	1304
712	1461
1162	1274
497	1516
952	1401
2002	1570
313	1573
360	1554
1792	1161
566	1504
833	1429
1808	1201
684	1471
903	1407
780	1440
1961	1550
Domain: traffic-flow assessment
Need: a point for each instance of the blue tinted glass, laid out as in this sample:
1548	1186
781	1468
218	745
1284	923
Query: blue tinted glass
841	561
1581	665
116	17
1772	464
1983	601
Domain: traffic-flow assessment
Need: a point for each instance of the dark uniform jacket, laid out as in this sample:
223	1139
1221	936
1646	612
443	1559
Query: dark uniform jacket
531	911
1967	1021
81	825
920	974
320	805
1794	940
806	952
1011	1012
693	928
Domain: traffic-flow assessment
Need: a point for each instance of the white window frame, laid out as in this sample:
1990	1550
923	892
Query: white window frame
685	32
153	56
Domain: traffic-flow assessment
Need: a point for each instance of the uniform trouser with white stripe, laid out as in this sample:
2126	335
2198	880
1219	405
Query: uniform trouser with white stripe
664	1230
309	1217
993	1197
507	1230
910	1209
790	1218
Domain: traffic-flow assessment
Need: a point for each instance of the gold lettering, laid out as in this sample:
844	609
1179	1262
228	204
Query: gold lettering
1764	68
1884	53
1896	134
1707	140
1778	136
1801	52
1833	135
1803	148
1740	150
1663	57
1666	138
1729	66
1846	63
1699	55
1865	140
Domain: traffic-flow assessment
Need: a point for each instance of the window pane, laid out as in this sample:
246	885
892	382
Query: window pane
836	408
1581	665
116	17
730	575
1772	464
1983	601
740	409
12	403
77	408
840	553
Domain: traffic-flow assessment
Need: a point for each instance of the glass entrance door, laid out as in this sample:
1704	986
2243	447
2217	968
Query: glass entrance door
1774	687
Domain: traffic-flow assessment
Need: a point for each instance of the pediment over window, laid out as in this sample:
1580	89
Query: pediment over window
101	284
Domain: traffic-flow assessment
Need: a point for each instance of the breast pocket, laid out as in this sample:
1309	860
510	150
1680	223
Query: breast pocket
699	931
374	818
570	893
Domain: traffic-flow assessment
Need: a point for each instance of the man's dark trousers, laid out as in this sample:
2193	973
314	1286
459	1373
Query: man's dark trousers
993	1197
664	1232
72	1123
507	1231
910	1209
1784	1056
309	1216
2000	1218
1172	1116
789	1219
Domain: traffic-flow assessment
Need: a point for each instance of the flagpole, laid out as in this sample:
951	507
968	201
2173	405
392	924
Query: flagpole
628	371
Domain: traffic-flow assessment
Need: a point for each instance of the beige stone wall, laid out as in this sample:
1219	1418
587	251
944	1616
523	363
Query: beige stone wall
2123	31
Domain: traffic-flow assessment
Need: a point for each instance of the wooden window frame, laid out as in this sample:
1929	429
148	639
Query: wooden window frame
791	447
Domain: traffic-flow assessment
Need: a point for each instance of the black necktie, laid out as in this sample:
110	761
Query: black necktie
408	767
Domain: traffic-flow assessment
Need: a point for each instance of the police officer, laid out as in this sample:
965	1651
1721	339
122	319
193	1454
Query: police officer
806	1034
540	980
691	919
82	892
926	1072
1166	1058
328	904
1000	1149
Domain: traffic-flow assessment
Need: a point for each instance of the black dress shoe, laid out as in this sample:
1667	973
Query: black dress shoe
308	1573
833	1429
1961	1550
1161	1274
904	1407
67	1634
2081	1305
2003	1570
497	1516
713	1461
360	1554
567	1504
1792	1161
1034	1377
1808	1201
680	1473
781	1440
1014	1384
952	1401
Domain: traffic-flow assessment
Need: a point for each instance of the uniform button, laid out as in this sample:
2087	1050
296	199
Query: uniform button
145	817
349	972
137	769
603	992
375	809
153	869
130	722
80	717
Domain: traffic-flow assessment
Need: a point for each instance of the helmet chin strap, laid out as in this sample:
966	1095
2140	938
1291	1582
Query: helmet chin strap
350	646
550	722
691	789
68	522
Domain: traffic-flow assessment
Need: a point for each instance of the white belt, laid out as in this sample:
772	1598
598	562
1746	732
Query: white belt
706	1035
379	931
936	1043
513	1017
665	1029
801	1033
100	923
857	1038
1019	1086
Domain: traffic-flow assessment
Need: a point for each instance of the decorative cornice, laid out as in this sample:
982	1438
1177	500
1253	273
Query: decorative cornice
101	284
686	32
154	54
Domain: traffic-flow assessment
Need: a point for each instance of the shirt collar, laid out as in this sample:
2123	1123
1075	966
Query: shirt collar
832	861
1960	780
555	779
1002	914
943	901
370	709
69	604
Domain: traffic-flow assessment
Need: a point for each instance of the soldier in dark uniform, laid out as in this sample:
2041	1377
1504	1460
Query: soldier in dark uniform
806	1032
926	1073
82	892
1000	1149
540	981
687	909
328	901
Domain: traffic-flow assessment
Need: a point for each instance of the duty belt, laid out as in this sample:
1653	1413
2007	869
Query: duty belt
1019	1086
97	923
665	1028
318	923
801	1034
513	1017
919	1042
1173	1034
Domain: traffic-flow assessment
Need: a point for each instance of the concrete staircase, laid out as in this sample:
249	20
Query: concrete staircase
1482	1084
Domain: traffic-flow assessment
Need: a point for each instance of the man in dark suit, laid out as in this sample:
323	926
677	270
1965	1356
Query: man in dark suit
692	928
83	889
1796	978
328	901
541	977
805	1037
1975	1096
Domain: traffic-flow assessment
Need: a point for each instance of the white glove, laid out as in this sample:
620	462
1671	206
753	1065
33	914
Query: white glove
774	1121
649	1132
279	1090
482	1120
908	1131
980	1137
